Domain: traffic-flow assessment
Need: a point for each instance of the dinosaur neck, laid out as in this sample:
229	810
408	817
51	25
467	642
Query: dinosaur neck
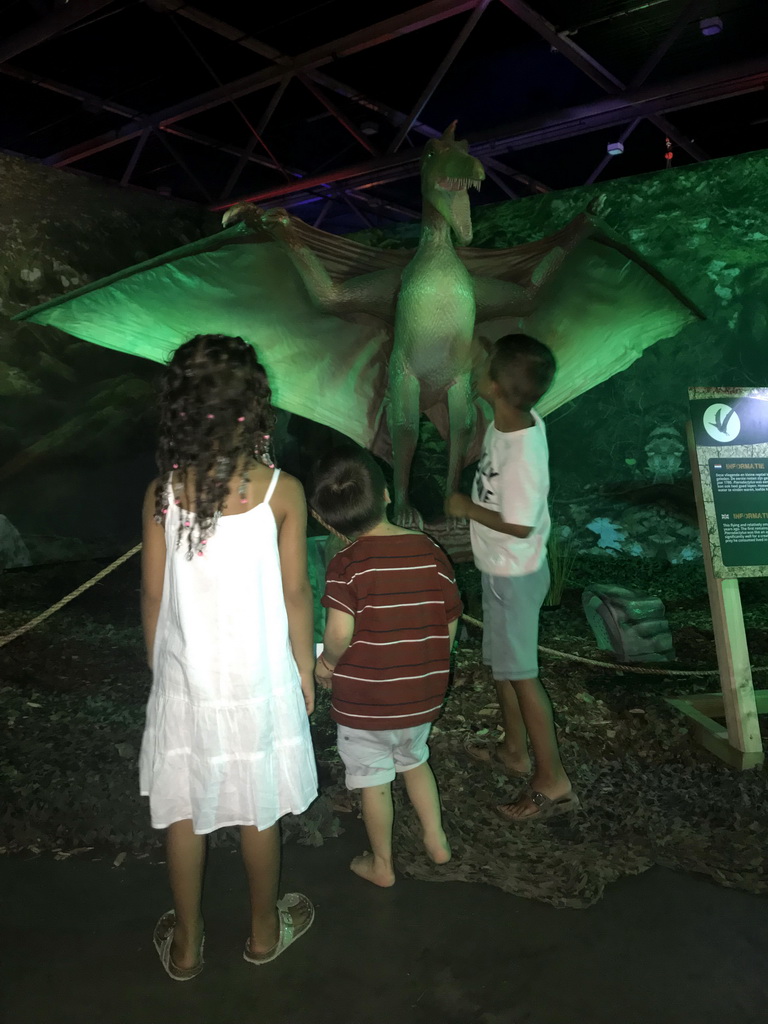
435	230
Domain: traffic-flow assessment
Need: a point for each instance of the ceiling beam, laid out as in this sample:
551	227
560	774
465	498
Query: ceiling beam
261	127
245	156
690	91
653	60
392	28
48	27
439	74
99	104
394	117
593	68
339	115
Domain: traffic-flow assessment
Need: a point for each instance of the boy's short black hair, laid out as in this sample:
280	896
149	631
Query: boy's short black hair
347	490
523	369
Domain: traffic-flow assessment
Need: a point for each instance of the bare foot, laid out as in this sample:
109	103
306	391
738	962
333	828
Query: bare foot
438	848
372	870
264	939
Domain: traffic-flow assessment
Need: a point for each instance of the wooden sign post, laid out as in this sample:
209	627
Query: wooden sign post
728	445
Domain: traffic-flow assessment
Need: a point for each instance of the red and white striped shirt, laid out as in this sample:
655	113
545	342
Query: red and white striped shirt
402	593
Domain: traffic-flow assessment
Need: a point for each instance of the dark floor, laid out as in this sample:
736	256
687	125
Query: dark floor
660	948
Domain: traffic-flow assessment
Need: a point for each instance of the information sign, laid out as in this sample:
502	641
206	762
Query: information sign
730	430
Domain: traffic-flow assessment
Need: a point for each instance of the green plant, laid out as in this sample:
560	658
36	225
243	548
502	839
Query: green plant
561	552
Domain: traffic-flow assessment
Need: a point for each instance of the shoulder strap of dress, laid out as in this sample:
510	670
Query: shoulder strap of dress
272	485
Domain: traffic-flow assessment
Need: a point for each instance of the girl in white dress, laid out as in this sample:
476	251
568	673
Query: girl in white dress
227	614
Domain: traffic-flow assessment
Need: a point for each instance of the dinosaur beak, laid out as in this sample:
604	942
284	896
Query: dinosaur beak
450	194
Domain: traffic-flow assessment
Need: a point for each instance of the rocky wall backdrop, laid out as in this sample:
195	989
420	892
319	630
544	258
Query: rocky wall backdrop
76	420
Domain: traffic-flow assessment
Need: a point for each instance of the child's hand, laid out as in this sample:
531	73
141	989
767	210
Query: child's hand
308	691
323	673
457	506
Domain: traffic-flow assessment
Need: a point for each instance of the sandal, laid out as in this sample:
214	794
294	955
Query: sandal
490	755
163	938
288	932
547	808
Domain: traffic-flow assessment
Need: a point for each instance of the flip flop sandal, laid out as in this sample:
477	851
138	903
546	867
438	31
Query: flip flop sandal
288	932
162	939
547	808
476	752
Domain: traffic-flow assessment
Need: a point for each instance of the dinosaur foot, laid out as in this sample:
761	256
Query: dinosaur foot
256	218
408	518
453	536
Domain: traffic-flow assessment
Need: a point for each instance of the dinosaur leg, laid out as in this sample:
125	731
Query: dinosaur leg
461	420
403	423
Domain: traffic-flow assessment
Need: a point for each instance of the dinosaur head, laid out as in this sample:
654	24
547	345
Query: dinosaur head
447	173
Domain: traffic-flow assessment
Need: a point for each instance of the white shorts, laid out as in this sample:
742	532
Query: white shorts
373	758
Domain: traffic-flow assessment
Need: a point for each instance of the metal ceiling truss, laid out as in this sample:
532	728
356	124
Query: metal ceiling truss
595	70
611	112
625	105
420	17
690	11
48	27
394	117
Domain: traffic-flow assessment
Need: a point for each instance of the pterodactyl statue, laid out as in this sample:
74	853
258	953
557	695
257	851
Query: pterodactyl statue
363	339
434	302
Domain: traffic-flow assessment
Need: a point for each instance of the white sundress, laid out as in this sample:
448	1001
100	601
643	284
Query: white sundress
227	738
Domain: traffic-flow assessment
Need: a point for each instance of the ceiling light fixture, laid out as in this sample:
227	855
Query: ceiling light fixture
615	148
711	26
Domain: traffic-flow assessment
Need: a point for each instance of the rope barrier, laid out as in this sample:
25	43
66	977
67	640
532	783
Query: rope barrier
70	597
611	666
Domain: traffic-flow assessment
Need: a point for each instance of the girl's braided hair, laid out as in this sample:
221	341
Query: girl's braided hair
215	417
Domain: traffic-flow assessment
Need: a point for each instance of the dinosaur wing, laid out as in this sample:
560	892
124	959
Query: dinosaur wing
602	308
239	282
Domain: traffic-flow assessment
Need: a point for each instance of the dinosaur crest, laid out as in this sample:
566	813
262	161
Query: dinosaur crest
447	173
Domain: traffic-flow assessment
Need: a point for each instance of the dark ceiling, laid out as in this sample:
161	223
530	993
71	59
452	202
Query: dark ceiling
324	106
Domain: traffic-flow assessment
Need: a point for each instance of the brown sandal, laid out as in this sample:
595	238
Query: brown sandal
546	807
162	939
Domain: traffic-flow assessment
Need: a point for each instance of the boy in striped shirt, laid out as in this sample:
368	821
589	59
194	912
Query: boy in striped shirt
393	608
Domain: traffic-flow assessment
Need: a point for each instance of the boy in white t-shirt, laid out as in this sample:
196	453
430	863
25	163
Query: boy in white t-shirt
509	525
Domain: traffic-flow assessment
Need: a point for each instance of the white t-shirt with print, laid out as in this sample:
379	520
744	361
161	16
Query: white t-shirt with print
512	478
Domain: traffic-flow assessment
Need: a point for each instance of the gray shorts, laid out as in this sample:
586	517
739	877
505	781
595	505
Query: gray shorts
511	606
372	758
